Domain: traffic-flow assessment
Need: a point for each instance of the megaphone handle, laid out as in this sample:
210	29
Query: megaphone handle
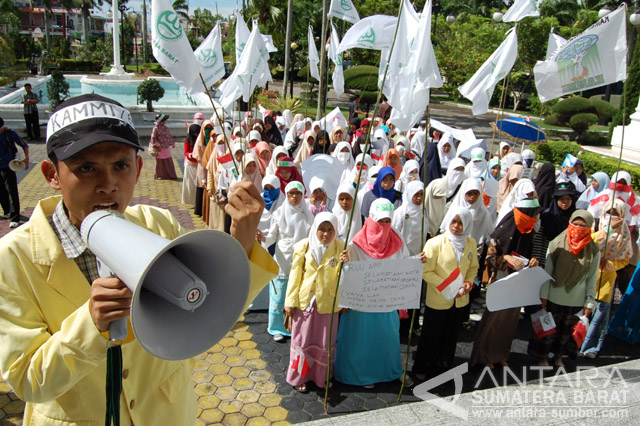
118	328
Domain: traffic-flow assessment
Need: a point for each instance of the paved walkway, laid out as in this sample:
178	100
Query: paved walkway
241	380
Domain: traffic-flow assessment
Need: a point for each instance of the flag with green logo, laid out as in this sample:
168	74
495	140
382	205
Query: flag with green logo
171	47
242	35
345	10
555	42
593	58
338	77
313	55
373	32
209	57
521	9
251	70
480	86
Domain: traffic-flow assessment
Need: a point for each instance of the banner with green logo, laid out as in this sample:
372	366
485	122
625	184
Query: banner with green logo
171	47
373	32
209	57
345	10
594	58
338	77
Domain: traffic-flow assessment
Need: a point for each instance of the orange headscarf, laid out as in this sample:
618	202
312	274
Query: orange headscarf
524	223
398	167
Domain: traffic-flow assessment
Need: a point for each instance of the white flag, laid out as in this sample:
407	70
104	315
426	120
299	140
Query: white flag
521	9
421	74
373	32
242	35
479	88
345	10
594	58
555	42
268	41
314	59
396	87
209	57
338	77
252	70
171	47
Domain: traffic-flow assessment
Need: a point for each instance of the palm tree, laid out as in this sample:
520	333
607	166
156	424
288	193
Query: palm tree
85	7
270	16
182	9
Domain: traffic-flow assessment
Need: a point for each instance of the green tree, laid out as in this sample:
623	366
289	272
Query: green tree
57	89
182	8
150	91
85	11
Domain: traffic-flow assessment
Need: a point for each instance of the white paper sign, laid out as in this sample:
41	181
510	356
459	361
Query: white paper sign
381	285
521	288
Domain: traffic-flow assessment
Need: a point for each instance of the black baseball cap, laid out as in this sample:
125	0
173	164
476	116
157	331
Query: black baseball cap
86	120
564	188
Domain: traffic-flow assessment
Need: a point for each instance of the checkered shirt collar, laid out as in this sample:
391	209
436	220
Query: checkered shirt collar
68	234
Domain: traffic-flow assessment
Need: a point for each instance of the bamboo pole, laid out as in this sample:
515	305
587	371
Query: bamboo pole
500	109
346	238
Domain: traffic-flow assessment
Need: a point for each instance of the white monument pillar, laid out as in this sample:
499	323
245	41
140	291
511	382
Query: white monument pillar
631	133
117	72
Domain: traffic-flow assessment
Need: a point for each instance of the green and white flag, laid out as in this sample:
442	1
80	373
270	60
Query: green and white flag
373	32
421	74
338	77
171	47
252	70
480	87
314	59
521	9
209	57
242	35
594	58
345	10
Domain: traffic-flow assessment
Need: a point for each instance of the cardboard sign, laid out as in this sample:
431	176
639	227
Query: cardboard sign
381	285
521	288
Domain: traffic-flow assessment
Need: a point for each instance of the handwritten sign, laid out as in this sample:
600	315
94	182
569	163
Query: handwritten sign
381	285
521	288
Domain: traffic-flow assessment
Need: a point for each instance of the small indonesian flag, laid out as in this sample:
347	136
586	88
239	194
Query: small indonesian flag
412	155
452	285
227	163
301	363
262	109
377	155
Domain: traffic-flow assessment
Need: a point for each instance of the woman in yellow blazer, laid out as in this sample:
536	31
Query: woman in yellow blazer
443	254
310	292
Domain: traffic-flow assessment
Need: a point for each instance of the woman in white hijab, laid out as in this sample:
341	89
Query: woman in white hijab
288	116
344	205
250	172
278	153
410	172
477	166
455	176
408	219
305	149
435	203
448	253
289	224
522	190
446	151
273	200
350	176
343	154
470	197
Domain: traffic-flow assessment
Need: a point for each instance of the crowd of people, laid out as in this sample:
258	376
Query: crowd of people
411	194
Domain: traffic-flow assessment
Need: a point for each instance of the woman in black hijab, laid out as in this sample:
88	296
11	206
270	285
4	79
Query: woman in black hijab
271	131
434	171
322	143
545	184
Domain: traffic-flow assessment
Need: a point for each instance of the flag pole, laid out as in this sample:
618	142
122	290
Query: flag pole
220	122
493	138
355	197
422	240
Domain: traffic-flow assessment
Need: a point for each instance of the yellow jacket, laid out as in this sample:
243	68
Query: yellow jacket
441	262
307	278
52	354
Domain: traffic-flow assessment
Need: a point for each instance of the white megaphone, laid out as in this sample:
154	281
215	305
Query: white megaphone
187	292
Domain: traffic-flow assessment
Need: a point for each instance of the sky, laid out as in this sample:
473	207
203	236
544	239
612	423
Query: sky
225	7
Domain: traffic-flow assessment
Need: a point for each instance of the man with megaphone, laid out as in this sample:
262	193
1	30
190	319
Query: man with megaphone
55	309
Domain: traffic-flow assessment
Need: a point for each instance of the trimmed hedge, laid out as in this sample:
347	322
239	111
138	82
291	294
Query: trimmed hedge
556	151
155	68
580	123
603	108
361	77
67	65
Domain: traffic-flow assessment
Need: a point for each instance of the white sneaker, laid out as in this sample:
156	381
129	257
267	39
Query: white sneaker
278	338
590	355
14	224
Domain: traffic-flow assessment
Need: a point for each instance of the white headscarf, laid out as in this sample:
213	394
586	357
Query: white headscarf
459	241
481	225
265	219
502	145
513	158
315	246
518	193
273	163
436	207
288	116
349	176
305	150
477	166
381	208
446	158
407	219
343	216
345	158
455	177
254	177
406	176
